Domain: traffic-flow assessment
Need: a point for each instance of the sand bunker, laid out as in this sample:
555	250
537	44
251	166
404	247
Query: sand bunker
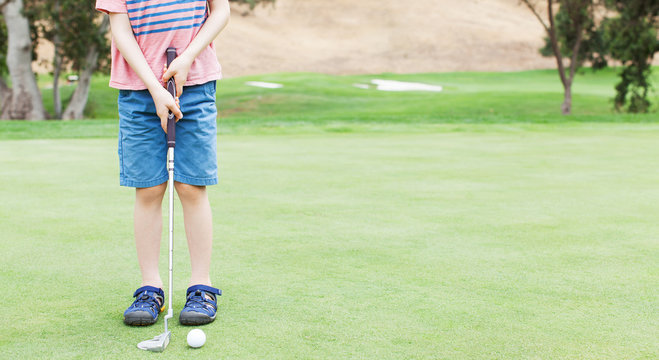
266	85
393	85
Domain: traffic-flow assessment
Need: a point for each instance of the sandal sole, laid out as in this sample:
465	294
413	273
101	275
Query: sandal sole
139	319
193	319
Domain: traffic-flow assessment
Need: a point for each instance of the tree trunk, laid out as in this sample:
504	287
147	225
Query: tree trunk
554	43
57	65
25	102
5	99
76	107
566	107
550	28
57	69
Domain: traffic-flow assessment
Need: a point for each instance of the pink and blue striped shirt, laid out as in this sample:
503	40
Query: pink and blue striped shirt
157	25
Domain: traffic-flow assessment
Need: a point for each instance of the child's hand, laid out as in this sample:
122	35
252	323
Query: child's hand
164	104
179	70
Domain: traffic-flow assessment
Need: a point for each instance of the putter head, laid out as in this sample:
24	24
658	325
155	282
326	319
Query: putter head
157	344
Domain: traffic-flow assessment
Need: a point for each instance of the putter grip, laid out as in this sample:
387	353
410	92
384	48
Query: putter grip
171	87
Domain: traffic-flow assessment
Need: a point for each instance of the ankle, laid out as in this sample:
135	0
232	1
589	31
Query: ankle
200	281
156	284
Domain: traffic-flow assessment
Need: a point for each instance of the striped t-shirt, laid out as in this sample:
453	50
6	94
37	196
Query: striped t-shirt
157	25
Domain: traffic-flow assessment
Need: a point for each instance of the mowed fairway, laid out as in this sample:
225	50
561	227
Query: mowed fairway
455	242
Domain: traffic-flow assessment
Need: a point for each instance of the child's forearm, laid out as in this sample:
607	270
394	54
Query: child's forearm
125	41
216	21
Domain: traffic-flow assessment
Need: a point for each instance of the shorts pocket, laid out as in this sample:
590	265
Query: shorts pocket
211	88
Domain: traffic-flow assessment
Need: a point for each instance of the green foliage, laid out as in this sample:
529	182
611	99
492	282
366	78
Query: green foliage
632	39
574	19
595	49
629	37
574	22
73	25
253	3
3	47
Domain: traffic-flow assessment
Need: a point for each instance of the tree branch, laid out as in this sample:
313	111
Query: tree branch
575	51
5	98
554	43
537	15
551	32
105	24
3	3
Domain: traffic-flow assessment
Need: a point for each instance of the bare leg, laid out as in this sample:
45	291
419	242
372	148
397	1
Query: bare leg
148	232
198	229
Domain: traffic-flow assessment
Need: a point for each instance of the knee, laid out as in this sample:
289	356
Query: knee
187	192
151	194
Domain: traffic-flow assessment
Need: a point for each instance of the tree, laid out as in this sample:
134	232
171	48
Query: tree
78	36
87	66
567	31
77	32
23	99
632	39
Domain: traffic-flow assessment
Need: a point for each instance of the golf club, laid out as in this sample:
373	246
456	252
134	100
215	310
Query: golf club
160	342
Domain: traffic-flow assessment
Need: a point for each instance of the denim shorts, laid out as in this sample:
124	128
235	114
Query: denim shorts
143	143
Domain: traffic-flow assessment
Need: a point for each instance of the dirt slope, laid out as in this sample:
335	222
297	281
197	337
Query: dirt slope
373	36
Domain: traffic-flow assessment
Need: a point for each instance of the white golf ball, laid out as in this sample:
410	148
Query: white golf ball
196	338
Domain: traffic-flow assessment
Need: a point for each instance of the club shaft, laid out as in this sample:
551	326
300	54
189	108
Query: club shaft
170	185
171	142
160	342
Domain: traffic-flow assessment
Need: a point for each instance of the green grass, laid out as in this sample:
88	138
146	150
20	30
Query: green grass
315	102
357	224
534	241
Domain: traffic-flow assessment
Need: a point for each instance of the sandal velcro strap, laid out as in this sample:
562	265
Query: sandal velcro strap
204	288
149	289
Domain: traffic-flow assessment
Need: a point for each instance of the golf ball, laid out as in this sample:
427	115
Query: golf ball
196	338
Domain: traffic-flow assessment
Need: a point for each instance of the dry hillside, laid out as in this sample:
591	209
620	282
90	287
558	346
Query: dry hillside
373	36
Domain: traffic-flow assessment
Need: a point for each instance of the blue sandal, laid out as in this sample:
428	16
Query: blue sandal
200	306
149	302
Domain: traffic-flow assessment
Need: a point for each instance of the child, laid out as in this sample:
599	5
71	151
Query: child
141	32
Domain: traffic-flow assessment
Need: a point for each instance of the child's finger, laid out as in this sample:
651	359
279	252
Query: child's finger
177	112
163	124
168	74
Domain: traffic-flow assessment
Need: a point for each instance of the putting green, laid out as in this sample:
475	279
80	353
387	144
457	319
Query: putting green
461	241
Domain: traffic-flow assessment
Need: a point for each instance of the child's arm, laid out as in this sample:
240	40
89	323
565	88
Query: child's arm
130	50
216	21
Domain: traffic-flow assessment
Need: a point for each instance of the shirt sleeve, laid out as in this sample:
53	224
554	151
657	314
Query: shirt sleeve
111	6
